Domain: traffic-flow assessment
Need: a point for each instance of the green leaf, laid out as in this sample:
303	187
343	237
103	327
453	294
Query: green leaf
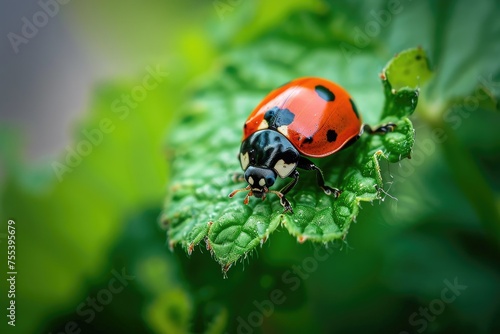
409	68
206	142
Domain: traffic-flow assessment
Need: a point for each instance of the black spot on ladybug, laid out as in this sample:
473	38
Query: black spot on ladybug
277	117
354	108
308	140
331	136
324	93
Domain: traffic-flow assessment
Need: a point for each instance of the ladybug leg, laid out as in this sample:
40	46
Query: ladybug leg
309	165
238	177
389	127
289	186
281	194
283	201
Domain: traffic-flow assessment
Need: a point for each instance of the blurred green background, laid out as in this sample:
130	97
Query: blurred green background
90	254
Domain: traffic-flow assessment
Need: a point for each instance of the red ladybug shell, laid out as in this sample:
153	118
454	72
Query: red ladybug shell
316	115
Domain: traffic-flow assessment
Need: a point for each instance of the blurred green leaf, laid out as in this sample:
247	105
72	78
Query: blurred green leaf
198	208
70	223
219	322
462	40
268	14
170	312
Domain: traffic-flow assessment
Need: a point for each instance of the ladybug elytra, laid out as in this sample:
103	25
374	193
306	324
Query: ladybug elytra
307	117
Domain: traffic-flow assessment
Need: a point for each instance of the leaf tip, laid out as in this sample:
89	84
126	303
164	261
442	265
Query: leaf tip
225	269
301	239
263	240
190	249
171	245
208	245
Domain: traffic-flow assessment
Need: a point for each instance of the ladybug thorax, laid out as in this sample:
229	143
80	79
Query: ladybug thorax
265	155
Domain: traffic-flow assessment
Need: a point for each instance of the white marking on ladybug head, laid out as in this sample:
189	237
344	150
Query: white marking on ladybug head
283	169
250	180
262	182
245	160
283	130
263	125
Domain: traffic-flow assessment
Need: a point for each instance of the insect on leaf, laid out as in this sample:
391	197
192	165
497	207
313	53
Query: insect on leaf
206	142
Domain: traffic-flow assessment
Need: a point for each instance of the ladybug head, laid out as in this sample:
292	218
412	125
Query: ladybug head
265	155
259	180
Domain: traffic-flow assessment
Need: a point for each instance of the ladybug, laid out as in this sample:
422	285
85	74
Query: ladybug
307	117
